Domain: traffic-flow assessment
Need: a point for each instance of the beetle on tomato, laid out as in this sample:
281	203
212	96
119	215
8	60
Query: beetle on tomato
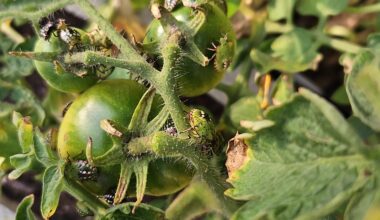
71	79
214	37
115	100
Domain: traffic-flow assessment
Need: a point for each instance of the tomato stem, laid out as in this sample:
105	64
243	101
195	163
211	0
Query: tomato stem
35	15
165	145
81	194
143	69
168	87
120	42
364	9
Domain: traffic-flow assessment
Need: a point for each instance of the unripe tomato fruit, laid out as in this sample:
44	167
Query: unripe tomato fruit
114	100
62	81
195	79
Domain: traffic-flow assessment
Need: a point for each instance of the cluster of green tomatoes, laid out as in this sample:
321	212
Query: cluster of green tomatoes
100	98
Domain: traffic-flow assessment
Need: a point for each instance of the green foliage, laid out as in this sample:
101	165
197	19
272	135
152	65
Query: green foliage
52	187
24	161
305	166
196	200
363	88
292	52
245	109
24	211
340	96
295	46
17	97
14	67
232	7
281	9
124	211
321	8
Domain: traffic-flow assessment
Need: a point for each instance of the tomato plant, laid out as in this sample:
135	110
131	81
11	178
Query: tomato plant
139	144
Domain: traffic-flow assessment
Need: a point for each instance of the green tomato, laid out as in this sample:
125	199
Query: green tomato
114	100
55	75
215	38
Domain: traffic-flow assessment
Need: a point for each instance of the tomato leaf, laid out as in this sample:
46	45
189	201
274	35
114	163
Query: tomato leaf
306	165
25	132
366	133
232	7
363	88
142	212
6	44
24	209
16	97
266	63
2	160
21	163
245	109
280	9
42	150
296	46
283	90
340	96
194	201
13	68
373	41
51	189
359	204
321	7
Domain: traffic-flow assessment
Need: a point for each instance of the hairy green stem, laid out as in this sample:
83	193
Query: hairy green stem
211	176
168	87
93	58
81	194
36	28
364	9
120	42
37	14
165	145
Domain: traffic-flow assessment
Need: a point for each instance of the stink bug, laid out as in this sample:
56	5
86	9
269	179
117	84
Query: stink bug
86	171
